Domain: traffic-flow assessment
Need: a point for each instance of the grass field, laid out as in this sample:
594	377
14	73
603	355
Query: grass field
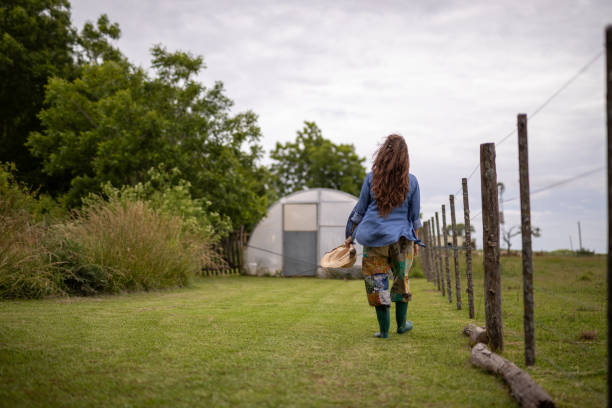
238	341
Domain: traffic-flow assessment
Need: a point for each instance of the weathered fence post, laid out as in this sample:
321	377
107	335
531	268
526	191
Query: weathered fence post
432	261
235	249
446	260
243	240
427	254
423	251
609	120
430	252
455	252
490	243
528	318
439	251
227	246
468	246
434	256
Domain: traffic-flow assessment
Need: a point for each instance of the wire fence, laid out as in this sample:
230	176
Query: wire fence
544	104
567	300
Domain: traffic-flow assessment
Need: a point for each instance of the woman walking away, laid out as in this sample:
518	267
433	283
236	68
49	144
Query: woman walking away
385	221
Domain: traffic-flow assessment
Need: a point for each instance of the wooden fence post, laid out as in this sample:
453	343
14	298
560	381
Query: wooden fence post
434	259
423	251
242	243
439	252
455	252
234	249
490	243
430	252
528	318
446	260
609	120
468	246
426	255
227	253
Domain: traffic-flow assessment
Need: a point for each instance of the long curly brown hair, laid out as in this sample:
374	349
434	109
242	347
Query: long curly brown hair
390	182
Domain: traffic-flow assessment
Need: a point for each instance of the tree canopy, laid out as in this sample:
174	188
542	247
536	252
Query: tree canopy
313	161
77	115
36	43
115	121
460	229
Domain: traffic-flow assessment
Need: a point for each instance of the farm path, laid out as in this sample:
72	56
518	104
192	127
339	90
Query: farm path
242	341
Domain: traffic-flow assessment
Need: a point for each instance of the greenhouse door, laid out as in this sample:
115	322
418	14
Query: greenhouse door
300	240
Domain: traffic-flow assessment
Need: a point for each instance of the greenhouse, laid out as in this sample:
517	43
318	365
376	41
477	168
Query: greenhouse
297	231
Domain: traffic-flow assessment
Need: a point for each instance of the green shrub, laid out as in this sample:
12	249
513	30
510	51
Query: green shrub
16	199
562	252
166	191
122	245
585	252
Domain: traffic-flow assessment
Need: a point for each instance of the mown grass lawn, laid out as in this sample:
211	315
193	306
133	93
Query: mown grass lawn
240	341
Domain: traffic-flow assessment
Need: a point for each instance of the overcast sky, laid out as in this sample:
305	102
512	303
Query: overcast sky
447	75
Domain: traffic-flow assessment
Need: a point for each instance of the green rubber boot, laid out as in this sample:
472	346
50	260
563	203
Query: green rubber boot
401	308
384	321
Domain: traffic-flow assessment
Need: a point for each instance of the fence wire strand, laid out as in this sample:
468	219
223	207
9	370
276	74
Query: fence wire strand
558	183
544	104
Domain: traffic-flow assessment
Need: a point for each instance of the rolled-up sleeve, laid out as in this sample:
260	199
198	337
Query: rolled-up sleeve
348	230
415	206
364	201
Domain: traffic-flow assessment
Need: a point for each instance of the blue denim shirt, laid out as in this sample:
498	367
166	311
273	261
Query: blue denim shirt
376	231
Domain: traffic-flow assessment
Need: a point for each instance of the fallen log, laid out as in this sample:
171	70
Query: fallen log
476	334
522	387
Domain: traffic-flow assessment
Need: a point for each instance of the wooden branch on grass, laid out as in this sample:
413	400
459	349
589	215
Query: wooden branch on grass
476	334
522	387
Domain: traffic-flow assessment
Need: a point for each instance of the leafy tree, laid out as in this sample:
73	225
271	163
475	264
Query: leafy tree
314	161
36	43
460	229
115	121
515	230
94	42
508	234
105	120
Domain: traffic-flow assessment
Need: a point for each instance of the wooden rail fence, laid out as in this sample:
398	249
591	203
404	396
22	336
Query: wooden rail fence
231	255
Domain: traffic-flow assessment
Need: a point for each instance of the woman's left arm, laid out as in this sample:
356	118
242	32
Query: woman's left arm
360	208
414	213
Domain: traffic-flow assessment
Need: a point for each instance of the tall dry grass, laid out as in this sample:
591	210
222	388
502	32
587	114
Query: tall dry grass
113	246
26	267
109	246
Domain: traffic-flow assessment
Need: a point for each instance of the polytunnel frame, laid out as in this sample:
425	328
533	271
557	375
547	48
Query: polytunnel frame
283	201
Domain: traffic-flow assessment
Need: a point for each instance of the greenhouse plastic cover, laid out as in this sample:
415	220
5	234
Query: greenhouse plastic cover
323	211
